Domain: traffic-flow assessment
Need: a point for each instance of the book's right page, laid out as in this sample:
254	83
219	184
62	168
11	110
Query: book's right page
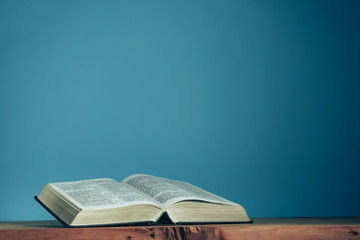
167	192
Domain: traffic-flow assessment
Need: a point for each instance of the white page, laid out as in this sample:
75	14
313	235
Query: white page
168	192
100	193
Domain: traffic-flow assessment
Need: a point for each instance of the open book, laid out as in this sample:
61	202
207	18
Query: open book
138	198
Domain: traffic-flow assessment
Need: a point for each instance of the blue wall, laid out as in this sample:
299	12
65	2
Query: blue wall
257	101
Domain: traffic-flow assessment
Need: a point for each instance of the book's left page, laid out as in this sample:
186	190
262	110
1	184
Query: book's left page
99	201
100	193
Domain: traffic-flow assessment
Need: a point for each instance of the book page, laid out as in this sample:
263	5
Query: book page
168	192
100	193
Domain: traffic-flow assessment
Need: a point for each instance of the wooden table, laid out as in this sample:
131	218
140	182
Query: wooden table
262	228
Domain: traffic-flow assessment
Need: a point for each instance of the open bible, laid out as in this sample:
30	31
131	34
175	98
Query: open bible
137	199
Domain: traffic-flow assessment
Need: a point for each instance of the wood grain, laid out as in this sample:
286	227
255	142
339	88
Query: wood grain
266	228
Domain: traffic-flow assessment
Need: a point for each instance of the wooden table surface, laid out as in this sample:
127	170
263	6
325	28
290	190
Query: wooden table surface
262	228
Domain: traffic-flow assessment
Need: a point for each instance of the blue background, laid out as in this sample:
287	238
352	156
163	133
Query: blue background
257	101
